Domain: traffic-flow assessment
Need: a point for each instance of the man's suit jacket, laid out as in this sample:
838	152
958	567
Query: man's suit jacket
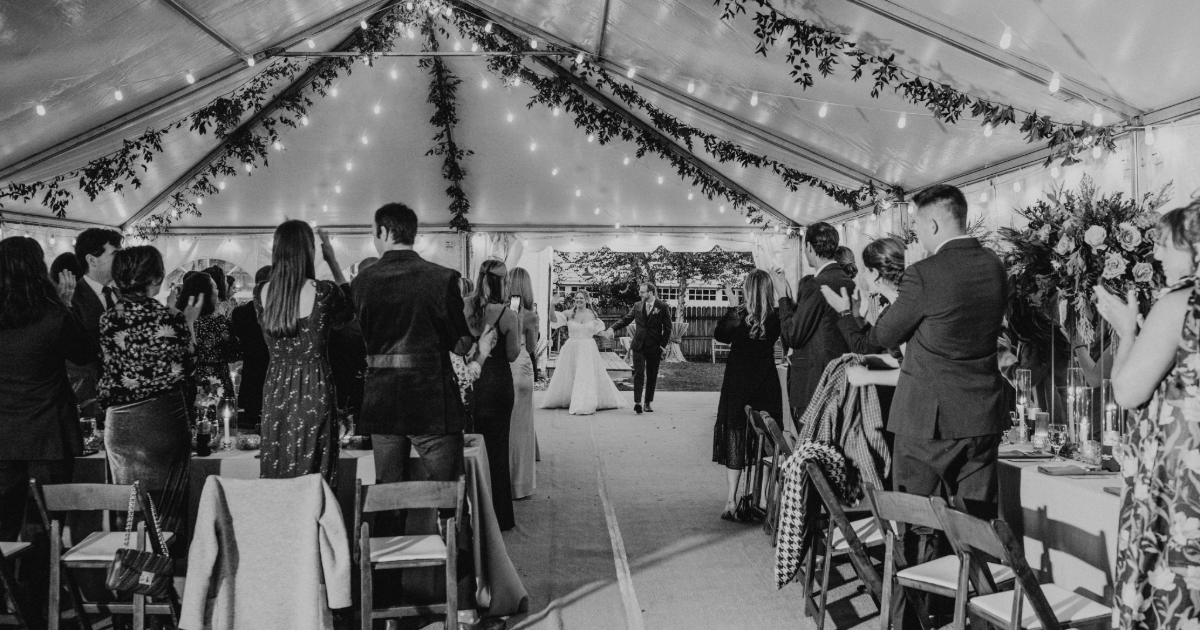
88	307
808	326
256	357
411	314
949	312
653	329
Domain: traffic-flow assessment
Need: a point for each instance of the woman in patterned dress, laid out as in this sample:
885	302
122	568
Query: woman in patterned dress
216	347
1158	546
299	414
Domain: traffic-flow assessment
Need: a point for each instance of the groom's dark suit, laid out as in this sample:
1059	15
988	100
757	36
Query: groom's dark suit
653	333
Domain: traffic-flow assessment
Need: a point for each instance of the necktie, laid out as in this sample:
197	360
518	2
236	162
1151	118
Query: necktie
108	298
648	305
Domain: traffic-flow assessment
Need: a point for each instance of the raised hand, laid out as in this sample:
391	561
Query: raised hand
864	304
66	286
1123	316
191	312
837	301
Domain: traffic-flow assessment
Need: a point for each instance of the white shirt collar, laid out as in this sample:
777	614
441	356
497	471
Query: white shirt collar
97	288
822	267
956	238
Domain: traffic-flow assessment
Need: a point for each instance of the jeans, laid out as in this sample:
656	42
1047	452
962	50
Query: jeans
442	456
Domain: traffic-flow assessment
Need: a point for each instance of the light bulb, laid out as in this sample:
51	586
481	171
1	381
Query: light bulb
118	95
591	136
249	167
1054	172
632	71
754	99
626	160
691	86
983	197
555	111
312	223
394	73
349	165
1097	117
510	116
364	138
1096	152
747	219
457	46
690	195
903	122
304	120
617	225
190	78
578	192
250	61
483	84
378	108
311	43
1006	38
579	58
363	24
533	44
1055	81
660	179
41	109
722	208
1017	186
554	171
337	188
449	12
597	210
333	92
487	28
278	145
221	185
325	208
1149	135
474	47
824	110
517	82
533	146
410	32
987	130
199	201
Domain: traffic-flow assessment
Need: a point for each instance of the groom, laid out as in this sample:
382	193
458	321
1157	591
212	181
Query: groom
653	332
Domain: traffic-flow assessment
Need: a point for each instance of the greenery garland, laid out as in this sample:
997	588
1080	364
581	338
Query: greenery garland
442	93
809	44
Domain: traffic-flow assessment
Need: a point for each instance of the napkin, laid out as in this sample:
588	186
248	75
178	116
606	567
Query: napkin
1071	470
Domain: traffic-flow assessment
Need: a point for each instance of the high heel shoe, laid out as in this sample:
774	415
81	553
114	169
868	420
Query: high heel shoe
727	515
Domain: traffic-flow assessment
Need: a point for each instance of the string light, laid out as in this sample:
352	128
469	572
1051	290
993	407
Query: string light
377	108
1097	117
278	145
363	24
632	71
987	130
1054	172
474	47
533	146
510	116
364	138
1096	152
1006	38
554	172
411	34
249	167
690	195
250	61
1149	136
722	209
325	208
1017	186
533	44
483	84
449	12
517	82
824	110
349	165
626	162
221	185
312	223
617	225
754	99
747	219
691	87
591	136
578	192
40	109
903	122
190	78
555	111
597	210
660	179
118	95
983	197
304	120
199	201
579	59
311	43
333	92
1055	82
457	46
337	188
394	73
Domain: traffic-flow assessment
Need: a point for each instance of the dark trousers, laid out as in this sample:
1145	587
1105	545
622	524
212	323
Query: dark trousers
963	468
645	371
442	456
16	510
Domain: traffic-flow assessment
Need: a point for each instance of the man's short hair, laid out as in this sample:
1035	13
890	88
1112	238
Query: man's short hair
398	219
91	242
823	238
948	198
649	286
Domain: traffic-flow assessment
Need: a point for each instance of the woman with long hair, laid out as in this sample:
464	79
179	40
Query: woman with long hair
297	312
39	432
1156	363
751	330
216	346
580	382
492	406
148	363
522	440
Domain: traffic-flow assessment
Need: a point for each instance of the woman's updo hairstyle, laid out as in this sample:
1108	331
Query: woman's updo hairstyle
886	255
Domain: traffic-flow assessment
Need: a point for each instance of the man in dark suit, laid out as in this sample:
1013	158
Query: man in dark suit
948	411
94	247
411	314
243	323
808	325
650	339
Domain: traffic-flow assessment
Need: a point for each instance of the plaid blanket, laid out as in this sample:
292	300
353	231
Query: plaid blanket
801	504
849	418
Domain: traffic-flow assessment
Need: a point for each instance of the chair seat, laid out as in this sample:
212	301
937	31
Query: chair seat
1068	607
407	549
943	572
103	546
867	530
10	549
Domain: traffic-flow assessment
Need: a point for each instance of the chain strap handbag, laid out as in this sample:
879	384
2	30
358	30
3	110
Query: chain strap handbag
142	572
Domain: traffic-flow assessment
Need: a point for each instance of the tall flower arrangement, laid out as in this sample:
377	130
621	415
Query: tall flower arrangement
1076	240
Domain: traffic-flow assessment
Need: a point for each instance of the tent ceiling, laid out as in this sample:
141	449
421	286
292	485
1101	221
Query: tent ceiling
71	56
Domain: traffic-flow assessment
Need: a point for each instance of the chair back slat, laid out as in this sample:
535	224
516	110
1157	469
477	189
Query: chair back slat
411	495
969	533
756	423
783	450
85	497
902	507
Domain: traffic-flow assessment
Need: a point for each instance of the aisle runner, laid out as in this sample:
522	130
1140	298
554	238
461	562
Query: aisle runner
633	610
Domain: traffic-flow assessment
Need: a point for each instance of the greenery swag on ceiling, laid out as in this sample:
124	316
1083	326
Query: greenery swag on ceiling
810	44
442	94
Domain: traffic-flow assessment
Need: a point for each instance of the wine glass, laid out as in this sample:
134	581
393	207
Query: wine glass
1058	439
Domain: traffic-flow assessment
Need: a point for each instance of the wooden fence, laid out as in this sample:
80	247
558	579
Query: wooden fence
702	321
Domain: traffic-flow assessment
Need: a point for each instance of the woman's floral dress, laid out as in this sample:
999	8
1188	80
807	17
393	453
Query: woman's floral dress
1158	547
147	352
216	348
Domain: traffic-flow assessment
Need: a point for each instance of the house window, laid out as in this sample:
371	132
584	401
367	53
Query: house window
668	293
701	295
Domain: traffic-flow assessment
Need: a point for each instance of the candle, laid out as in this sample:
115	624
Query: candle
227	426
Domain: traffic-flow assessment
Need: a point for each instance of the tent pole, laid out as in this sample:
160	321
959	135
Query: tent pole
603	31
179	8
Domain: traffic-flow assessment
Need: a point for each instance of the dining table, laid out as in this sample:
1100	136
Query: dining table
497	590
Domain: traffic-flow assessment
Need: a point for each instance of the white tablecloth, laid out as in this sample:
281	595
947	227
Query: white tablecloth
1069	524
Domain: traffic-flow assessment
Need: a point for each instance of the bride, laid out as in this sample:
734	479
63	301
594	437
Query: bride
580	382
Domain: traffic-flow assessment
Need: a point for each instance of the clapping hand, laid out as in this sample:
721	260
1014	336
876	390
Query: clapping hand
864	304
913	253
66	286
1123	316
487	341
840	302
195	304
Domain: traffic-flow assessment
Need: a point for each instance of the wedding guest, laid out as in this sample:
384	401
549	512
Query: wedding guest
66	261
493	402
40	435
215	346
94	248
751	330
845	259
148	358
1157	548
807	324
411	313
348	357
243	324
218	276
522	439
299	412
652	319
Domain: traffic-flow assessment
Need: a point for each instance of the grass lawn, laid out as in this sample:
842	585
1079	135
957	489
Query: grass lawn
684	377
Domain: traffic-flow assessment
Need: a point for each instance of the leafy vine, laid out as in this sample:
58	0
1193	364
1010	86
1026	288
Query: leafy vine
442	92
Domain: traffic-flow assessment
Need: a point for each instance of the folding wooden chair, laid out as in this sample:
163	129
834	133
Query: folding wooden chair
96	551
843	537
1050	607
939	576
761	464
407	552
17	612
771	451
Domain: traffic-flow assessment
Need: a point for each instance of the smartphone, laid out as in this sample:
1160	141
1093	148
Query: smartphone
514	302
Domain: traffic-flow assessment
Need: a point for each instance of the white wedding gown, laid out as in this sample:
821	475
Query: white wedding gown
580	383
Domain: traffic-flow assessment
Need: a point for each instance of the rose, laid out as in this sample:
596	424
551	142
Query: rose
1114	265
1094	236
1129	236
1044	233
1143	272
1066	245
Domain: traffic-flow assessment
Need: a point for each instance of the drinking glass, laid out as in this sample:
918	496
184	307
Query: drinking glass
1041	429
1058	438
1082	415
88	427
1113	420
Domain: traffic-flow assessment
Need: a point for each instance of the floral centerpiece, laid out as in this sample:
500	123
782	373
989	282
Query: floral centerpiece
1076	240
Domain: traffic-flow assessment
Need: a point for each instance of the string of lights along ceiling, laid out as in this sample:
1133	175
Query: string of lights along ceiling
576	86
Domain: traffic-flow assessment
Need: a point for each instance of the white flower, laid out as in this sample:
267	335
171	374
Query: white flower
1191	459
1094	236
1065	246
1114	265
120	338
129	382
1123	539
1183	529
1143	272
1131	596
176	369
1128	236
1141	491
1192	578
1189	624
1149	454
165	332
1162	579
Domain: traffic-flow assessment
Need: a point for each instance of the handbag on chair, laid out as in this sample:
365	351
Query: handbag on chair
142	572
